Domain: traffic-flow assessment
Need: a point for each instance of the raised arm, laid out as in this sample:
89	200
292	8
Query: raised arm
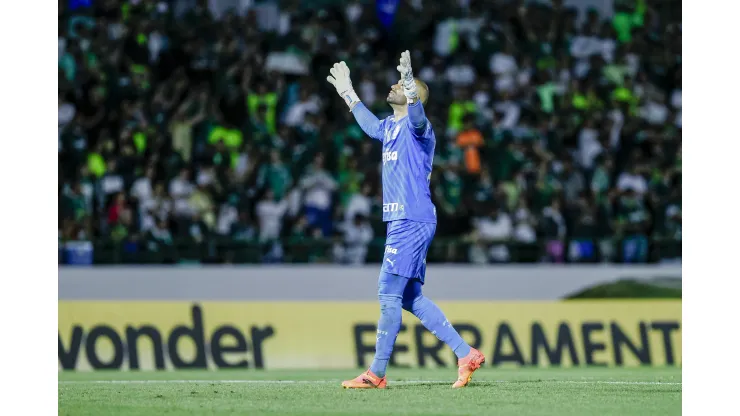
367	121
341	81
418	119
414	97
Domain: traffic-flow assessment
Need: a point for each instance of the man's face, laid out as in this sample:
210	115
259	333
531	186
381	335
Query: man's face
395	95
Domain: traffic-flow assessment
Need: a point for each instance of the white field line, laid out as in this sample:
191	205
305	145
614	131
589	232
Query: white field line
390	382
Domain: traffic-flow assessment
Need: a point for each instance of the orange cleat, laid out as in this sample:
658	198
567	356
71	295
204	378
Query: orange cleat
467	366
366	380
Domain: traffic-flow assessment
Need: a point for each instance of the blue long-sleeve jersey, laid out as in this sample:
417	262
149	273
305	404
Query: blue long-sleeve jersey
408	153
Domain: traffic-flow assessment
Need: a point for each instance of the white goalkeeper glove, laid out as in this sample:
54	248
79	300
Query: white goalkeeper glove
407	78
339	78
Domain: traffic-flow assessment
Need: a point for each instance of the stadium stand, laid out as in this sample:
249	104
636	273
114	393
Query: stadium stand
197	131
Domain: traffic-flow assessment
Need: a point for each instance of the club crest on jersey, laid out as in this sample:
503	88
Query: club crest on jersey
390	137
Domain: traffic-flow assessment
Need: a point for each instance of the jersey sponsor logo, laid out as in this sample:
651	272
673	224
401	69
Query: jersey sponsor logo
389	157
392	207
391	250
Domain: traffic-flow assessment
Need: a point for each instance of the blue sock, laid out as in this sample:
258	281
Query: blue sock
388	326
435	321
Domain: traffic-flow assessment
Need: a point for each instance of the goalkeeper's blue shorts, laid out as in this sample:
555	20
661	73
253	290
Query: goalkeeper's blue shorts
406	246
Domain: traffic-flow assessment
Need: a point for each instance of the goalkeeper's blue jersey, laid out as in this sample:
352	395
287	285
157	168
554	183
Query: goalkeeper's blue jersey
407	169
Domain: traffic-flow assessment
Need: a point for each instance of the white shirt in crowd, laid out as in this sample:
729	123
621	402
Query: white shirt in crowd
676	104
616	131
460	75
524	77
523	230
588	147
633	64
180	190
676	98
563	80
358	204
206	176
631	181
353	11
270	217
318	187
153	209
61	46
227	216
66	113
356	239
583	47
111	184
284	23
427	74
294	199
442	44
155	44
557	217
524	233
505	67
511	111
502	63
654	112
490	229
298	111
142	189
581	68
483	100
367	91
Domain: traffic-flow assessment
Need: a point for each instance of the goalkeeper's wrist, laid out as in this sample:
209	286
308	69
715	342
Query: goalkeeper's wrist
411	95
350	98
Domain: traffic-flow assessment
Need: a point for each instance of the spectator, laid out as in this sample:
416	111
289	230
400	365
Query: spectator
275	176
632	180
360	203
202	206
307	104
573	181
470	140
159	238
118	209
270	211
180	190
357	234
318	186
142	189
554	231
243	230
155	209
497	228
524	224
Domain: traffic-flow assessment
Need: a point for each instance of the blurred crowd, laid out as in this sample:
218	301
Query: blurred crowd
189	122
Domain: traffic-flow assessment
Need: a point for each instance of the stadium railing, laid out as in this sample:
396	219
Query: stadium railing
442	250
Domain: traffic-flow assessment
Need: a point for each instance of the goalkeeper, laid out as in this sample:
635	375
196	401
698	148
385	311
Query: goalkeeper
408	149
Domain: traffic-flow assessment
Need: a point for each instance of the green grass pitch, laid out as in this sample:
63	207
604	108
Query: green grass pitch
521	392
